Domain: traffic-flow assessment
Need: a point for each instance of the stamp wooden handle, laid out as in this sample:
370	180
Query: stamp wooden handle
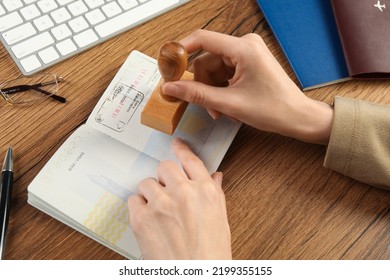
172	61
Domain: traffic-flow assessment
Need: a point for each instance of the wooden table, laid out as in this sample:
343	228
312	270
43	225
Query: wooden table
282	203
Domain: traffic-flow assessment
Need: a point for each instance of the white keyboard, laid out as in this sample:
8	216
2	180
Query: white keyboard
40	33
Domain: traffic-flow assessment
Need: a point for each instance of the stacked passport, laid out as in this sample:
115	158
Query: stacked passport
327	42
365	36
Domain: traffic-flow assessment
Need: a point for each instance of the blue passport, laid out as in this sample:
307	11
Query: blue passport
307	33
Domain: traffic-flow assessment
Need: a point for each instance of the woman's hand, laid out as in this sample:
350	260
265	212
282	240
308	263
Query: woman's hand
240	78
181	215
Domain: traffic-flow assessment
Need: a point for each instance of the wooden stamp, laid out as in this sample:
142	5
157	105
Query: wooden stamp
164	112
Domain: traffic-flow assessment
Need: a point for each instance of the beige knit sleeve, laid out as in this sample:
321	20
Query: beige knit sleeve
359	145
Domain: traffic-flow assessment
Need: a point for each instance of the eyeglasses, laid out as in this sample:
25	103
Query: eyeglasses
31	89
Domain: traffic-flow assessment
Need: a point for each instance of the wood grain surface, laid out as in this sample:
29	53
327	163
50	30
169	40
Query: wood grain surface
282	203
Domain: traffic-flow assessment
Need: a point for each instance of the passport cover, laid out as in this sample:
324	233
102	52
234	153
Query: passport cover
365	36
307	33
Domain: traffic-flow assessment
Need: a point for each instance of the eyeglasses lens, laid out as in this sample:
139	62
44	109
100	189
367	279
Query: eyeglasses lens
30	89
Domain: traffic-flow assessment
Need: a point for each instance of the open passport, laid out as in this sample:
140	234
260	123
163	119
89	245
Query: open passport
88	180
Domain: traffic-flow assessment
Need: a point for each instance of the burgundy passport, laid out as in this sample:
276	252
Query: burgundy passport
364	29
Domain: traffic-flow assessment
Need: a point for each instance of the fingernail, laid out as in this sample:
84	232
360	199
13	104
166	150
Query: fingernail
177	141
170	89
219	177
214	114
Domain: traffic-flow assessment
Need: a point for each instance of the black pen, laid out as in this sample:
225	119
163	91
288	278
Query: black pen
5	198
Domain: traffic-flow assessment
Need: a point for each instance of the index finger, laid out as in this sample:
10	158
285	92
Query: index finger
192	165
209	41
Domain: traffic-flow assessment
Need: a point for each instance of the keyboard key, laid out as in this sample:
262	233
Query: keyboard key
61	32
30	63
78	24
77	8
61	15
30	1
48	55
94	3
66	47
111	9
43	23
30	12
132	16
12	5
85	38
32	45
128	4
95	17
9	21
47	5
2	11
19	33
64	2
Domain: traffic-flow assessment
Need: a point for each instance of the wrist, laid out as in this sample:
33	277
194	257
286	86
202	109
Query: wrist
312	121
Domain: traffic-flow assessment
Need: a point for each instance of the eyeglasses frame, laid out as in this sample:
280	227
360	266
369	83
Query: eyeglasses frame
37	87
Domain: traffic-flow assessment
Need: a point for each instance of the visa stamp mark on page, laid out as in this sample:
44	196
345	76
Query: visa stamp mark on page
120	106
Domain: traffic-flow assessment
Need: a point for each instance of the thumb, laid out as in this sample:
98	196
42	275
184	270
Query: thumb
194	92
